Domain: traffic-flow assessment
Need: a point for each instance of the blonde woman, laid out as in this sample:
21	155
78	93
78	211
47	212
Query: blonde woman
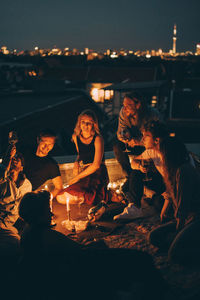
90	176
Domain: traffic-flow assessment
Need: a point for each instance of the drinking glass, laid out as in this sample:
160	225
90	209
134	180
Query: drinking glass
146	163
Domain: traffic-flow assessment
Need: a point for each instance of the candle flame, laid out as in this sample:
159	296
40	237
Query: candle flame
67	204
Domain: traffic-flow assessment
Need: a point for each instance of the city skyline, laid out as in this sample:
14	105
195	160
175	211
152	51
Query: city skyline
130	25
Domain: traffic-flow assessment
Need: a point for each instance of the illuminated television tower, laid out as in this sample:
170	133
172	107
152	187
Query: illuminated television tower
174	39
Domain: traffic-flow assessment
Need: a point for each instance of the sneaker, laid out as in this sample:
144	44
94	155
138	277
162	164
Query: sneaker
130	212
97	211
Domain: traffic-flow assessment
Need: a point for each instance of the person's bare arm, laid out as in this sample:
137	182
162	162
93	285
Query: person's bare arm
76	163
58	185
134	142
7	163
75	168
164	209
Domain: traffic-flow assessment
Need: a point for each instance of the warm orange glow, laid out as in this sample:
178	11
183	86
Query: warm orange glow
109	94
114	55
94	94
32	73
101	94
115	185
172	134
98	94
67	204
154	101
4	50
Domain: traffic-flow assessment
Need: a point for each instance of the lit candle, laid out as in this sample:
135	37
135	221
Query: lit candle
68	208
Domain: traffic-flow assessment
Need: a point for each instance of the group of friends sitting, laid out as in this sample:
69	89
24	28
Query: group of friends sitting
148	156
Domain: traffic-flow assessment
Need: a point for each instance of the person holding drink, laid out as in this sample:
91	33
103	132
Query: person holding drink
147	171
133	115
13	185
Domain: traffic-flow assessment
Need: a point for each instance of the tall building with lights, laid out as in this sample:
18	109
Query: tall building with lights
174	40
86	51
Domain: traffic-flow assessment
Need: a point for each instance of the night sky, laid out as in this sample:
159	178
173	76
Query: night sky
115	24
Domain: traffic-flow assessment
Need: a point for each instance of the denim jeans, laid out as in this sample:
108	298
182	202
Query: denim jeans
137	183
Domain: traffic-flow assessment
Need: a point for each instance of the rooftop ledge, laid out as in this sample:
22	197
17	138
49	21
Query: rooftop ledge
66	167
114	169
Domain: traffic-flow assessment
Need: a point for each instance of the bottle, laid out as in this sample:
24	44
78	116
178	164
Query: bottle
12	140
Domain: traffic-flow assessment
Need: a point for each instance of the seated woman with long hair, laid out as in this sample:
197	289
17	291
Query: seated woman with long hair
181	235
89	184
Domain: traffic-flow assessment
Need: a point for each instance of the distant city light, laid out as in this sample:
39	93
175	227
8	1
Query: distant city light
172	134
108	52
4	50
32	73
114	55
100	55
197	49
154	101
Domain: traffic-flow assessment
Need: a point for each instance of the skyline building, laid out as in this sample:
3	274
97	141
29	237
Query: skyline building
107	52
174	40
